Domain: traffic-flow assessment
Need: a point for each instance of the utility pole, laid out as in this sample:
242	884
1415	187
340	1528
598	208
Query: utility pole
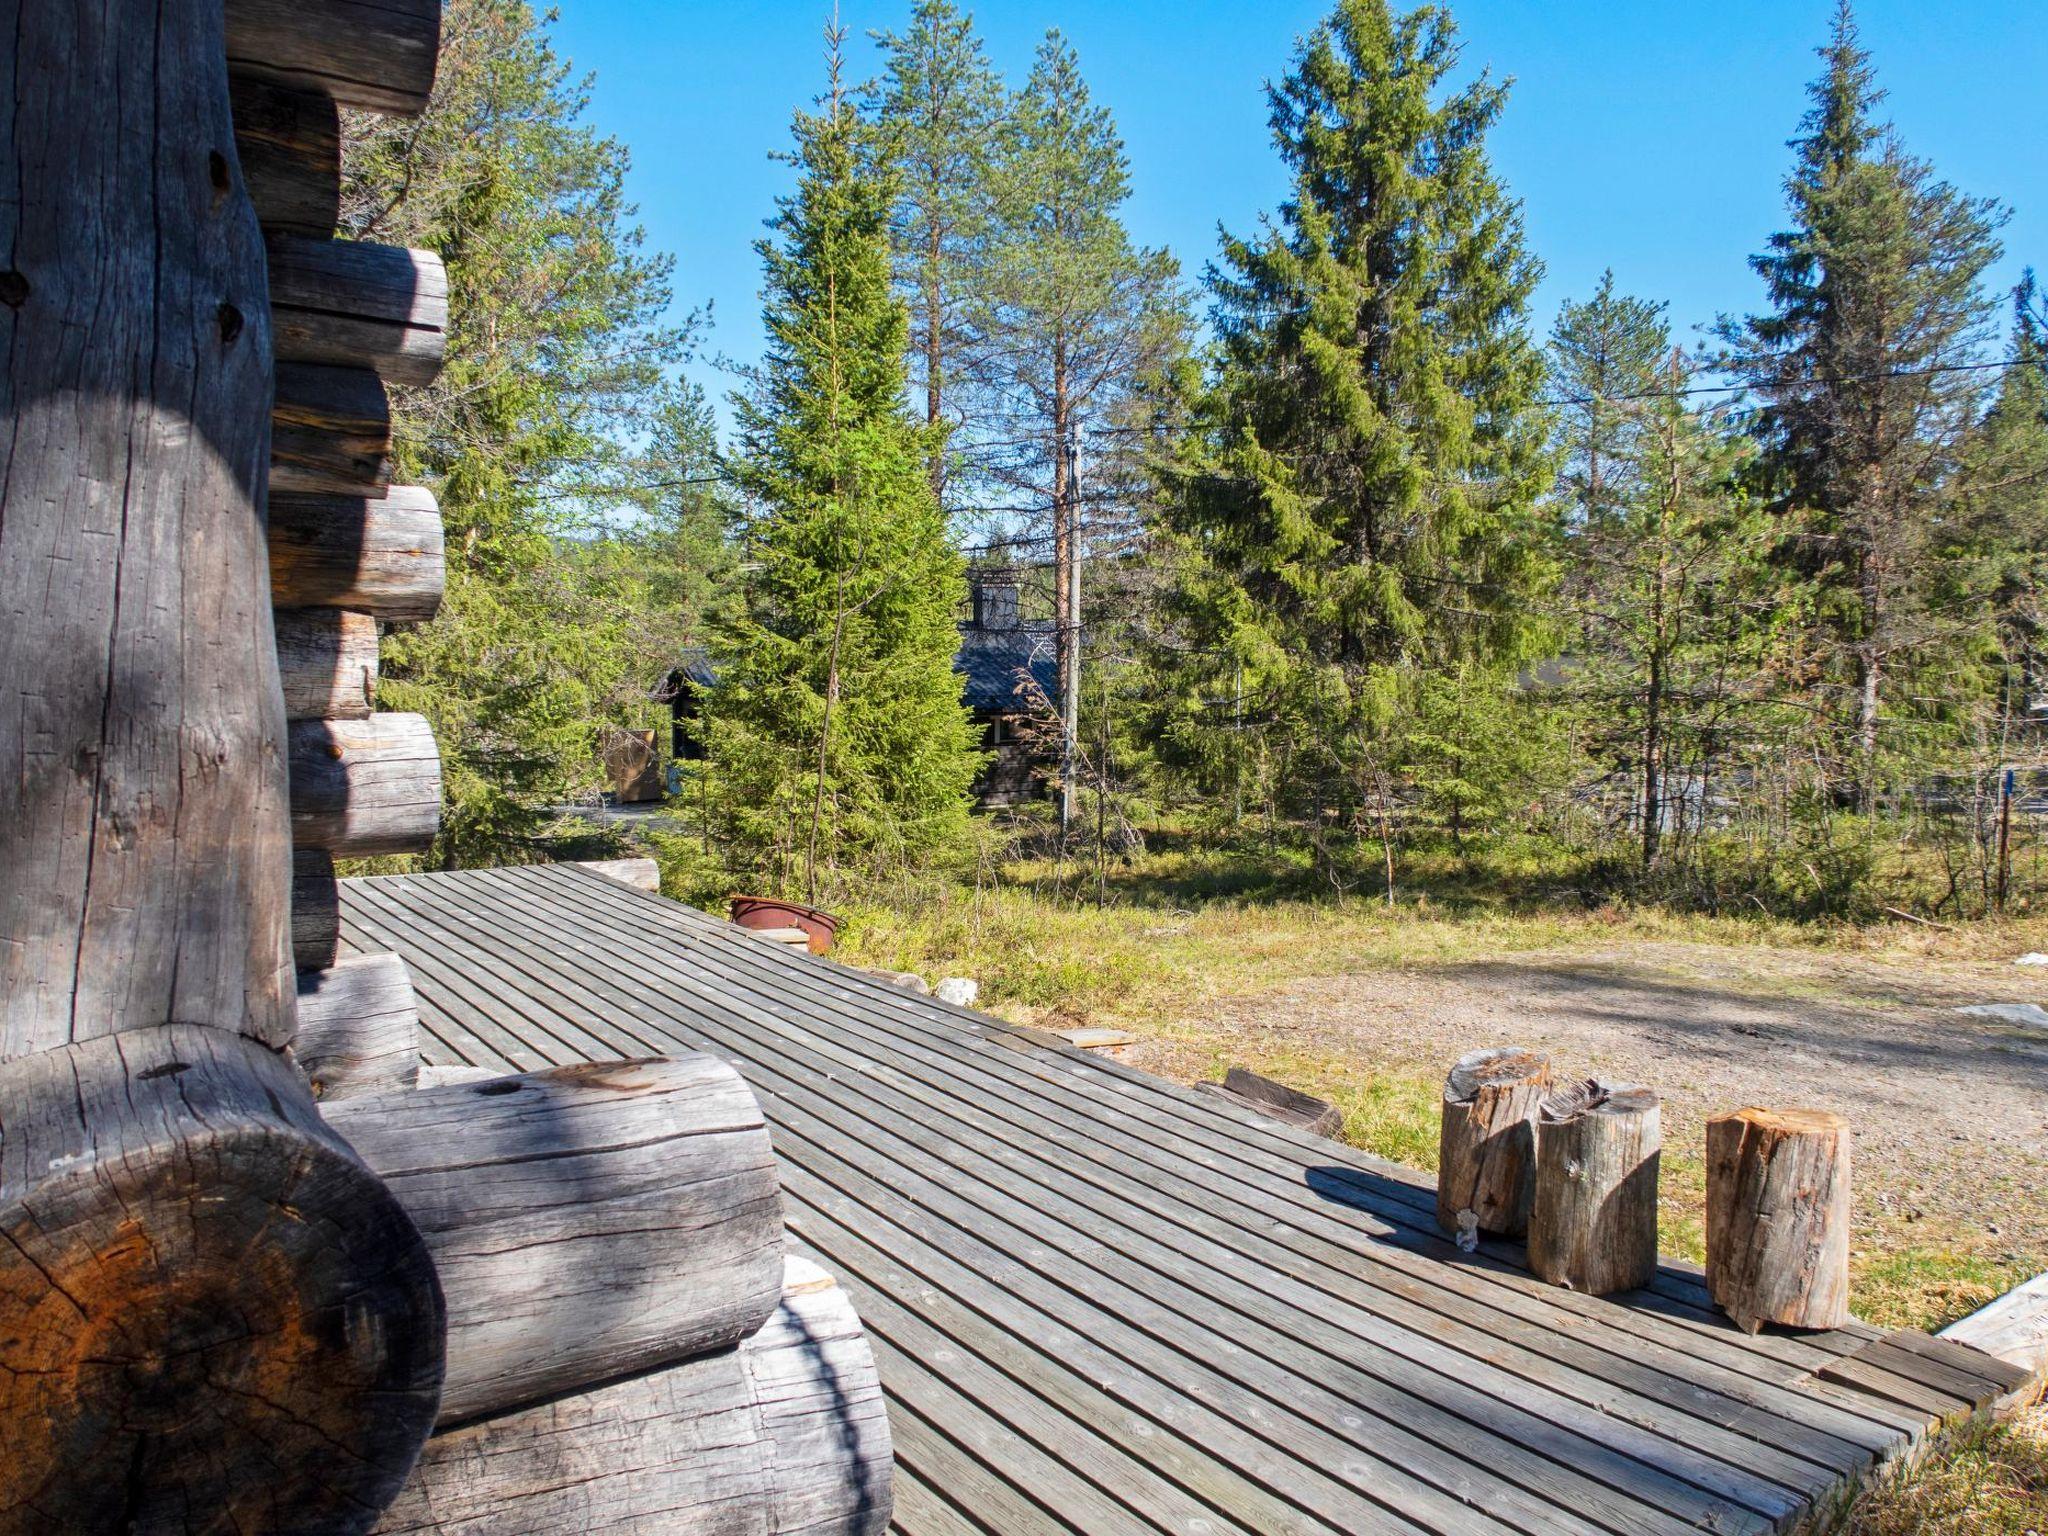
1070	677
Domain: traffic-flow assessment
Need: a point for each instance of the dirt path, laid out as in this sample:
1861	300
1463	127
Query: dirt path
1950	1112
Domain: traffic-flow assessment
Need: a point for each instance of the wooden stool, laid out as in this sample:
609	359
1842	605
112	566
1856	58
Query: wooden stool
1778	1217
1593	1221
1486	1151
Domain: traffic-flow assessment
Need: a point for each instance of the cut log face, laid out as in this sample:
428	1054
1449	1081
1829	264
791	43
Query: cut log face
363	787
316	910
1778	1217
374	55
1486	1166
142	832
353	302
1593	1220
359	1028
327	662
785	1436
330	431
379	555
587	1222
289	141
212	1316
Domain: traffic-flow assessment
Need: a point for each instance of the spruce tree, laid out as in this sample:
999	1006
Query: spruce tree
1362	503
1860	374
838	738
557	348
1607	356
939	111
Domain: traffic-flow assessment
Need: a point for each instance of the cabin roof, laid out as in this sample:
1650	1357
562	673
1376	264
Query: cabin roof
1103	1303
1002	668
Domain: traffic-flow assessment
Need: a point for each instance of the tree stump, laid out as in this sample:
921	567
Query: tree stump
1488	1150
213	1317
1593	1220
1778	1217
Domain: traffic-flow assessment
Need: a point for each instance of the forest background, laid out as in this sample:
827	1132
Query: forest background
1382	591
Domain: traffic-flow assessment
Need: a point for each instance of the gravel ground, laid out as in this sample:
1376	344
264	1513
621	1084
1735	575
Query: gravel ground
1950	1112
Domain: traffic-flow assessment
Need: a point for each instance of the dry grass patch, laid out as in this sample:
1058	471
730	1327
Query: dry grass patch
1987	1480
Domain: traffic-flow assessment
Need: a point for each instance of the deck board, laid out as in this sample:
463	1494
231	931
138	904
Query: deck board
1104	1303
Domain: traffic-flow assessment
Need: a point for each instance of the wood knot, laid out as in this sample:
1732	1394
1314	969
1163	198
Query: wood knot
13	289
230	324
217	173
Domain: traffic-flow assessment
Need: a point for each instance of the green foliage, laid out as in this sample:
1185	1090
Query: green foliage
838	740
1864	409
940	112
556	349
1360	502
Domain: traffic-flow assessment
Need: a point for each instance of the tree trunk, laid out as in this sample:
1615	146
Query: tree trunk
142	802
587	1222
212	1316
1778	1217
1593	1221
1487	1151
359	1028
784	1436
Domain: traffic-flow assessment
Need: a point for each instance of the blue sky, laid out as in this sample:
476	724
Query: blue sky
1642	134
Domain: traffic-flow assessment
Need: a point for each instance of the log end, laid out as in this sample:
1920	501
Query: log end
206	1301
1506	1067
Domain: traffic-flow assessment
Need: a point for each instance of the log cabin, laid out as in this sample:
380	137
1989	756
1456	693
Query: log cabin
524	1201
263	1273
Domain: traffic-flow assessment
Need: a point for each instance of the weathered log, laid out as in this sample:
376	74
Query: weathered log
316	910
289	143
330	431
374	55
1276	1101
363	787
1487	1149
786	1435
379	555
2014	1328
359	1028
641	874
1778	1217
142	794
212	1316
447	1076
586	1222
354	302
1593	1220
327	661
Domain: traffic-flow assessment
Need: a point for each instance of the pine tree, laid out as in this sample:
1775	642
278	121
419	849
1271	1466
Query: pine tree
939	112
1362	503
556	353
1079	316
1863	402
837	735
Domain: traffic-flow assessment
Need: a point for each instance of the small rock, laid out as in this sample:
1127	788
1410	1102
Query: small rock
2032	957
2010	1013
960	991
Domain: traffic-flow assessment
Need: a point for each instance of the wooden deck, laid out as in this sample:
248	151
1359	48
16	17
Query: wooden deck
1105	1304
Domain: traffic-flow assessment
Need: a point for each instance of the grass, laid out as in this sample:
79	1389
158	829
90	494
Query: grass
1186	928
1987	1480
